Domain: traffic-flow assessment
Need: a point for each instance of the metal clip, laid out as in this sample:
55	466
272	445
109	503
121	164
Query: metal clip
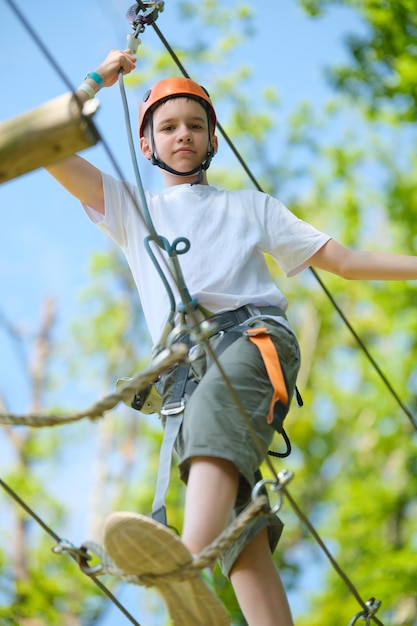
144	13
207	329
372	607
283	478
80	555
140	15
173	408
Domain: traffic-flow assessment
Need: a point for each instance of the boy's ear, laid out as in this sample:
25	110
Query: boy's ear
145	148
215	143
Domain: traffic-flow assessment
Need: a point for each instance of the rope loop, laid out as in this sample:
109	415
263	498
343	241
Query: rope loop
181	241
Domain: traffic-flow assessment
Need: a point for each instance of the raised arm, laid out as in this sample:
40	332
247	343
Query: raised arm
358	265
78	176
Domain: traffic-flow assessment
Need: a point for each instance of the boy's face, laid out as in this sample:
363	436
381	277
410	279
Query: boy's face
181	134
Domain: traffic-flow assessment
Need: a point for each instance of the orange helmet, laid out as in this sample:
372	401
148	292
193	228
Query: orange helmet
173	88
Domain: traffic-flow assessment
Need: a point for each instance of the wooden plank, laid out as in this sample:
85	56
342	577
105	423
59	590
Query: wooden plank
49	133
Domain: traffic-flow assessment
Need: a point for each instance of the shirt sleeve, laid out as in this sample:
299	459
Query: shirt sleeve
290	241
119	197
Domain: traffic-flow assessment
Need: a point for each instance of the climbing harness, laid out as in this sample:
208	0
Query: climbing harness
231	325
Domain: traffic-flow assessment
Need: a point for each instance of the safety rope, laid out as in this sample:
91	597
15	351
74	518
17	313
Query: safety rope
361	343
181	245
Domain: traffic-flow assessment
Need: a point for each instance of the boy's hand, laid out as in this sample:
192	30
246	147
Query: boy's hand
116	60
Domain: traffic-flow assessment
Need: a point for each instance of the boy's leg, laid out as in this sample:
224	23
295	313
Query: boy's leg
211	494
258	586
140	546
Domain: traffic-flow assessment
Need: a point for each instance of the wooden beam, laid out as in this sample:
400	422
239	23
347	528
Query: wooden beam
49	133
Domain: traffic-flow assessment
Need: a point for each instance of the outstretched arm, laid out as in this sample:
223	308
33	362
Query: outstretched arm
77	175
357	265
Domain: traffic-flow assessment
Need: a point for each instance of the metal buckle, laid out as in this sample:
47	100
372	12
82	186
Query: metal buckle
173	408
253	310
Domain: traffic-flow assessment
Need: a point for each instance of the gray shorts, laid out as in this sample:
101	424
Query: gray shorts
214	426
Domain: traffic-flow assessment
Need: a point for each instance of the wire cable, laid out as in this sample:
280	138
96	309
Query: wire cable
385	380
12	493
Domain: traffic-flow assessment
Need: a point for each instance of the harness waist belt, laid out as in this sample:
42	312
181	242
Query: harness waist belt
238	316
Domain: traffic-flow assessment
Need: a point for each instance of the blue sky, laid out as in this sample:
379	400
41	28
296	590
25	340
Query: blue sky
45	239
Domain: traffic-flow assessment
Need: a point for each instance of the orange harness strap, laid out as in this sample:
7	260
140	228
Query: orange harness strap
262	340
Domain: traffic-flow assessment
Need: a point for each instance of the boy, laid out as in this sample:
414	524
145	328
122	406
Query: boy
225	271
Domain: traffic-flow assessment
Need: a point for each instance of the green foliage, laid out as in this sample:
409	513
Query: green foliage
383	60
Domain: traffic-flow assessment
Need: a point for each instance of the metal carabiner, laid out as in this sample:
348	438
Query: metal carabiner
175	334
139	17
144	13
276	485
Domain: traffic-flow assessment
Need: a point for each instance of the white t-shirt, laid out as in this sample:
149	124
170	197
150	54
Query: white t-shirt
229	232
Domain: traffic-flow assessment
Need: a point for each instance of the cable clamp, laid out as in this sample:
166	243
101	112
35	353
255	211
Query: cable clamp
80	555
284	477
372	607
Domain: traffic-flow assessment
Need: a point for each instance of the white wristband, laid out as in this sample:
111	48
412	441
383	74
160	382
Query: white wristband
88	89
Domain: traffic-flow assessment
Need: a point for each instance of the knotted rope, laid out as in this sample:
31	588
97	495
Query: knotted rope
206	558
163	361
